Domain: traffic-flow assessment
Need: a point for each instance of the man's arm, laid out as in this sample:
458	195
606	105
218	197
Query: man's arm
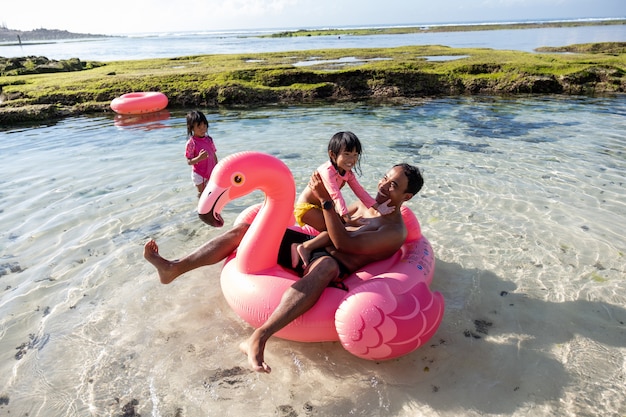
330	183
384	239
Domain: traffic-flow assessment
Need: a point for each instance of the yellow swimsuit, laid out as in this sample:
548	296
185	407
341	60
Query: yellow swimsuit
300	209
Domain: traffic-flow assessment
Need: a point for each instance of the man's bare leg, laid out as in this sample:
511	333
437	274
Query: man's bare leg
297	300
212	252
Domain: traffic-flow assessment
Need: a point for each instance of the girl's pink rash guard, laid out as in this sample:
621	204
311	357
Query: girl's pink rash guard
333	181
193	148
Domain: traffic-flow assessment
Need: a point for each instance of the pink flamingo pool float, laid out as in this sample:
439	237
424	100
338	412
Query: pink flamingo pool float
389	310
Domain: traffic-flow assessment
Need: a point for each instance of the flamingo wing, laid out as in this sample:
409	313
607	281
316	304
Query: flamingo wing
374	323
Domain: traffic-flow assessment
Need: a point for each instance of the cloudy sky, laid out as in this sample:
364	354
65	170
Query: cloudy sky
140	16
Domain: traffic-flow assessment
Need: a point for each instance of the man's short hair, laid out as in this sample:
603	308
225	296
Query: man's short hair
416	181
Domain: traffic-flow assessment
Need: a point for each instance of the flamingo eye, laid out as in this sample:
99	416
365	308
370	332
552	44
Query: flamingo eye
238	179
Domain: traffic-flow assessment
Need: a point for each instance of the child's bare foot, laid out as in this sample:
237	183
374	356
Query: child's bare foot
305	255
295	256
299	252
253	349
164	267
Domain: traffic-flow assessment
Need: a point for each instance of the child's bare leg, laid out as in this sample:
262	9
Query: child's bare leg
315	219
200	188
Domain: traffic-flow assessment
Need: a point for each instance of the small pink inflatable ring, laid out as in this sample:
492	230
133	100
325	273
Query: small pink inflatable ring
138	103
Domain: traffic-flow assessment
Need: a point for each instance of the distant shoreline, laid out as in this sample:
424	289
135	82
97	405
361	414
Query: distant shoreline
49	35
42	35
402	30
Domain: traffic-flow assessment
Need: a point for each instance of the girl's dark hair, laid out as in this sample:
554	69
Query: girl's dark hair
194	118
416	181
346	141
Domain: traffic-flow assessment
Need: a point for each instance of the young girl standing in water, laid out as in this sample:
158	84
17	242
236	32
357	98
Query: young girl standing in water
200	150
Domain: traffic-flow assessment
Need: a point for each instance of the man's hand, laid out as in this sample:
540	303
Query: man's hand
357	222
317	187
383	208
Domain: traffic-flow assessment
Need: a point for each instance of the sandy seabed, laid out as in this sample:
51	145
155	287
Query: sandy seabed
521	203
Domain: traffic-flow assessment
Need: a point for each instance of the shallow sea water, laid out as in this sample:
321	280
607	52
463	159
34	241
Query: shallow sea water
523	203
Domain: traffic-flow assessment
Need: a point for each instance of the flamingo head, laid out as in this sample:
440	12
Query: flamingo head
240	174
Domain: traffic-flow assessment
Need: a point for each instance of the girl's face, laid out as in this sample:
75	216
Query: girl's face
346	160
199	130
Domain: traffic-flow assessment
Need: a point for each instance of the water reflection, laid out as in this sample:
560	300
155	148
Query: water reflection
146	121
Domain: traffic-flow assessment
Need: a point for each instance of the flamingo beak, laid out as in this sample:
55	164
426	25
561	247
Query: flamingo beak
212	219
211	203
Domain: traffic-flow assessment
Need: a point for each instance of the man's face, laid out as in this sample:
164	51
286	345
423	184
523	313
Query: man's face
392	186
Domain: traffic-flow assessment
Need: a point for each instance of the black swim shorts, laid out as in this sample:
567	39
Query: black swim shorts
319	253
284	253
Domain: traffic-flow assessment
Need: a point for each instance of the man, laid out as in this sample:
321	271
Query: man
379	237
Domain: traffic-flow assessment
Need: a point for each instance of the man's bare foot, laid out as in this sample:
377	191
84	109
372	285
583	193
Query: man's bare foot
164	267
253	348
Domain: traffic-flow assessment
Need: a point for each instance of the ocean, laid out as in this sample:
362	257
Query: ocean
523	203
176	44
